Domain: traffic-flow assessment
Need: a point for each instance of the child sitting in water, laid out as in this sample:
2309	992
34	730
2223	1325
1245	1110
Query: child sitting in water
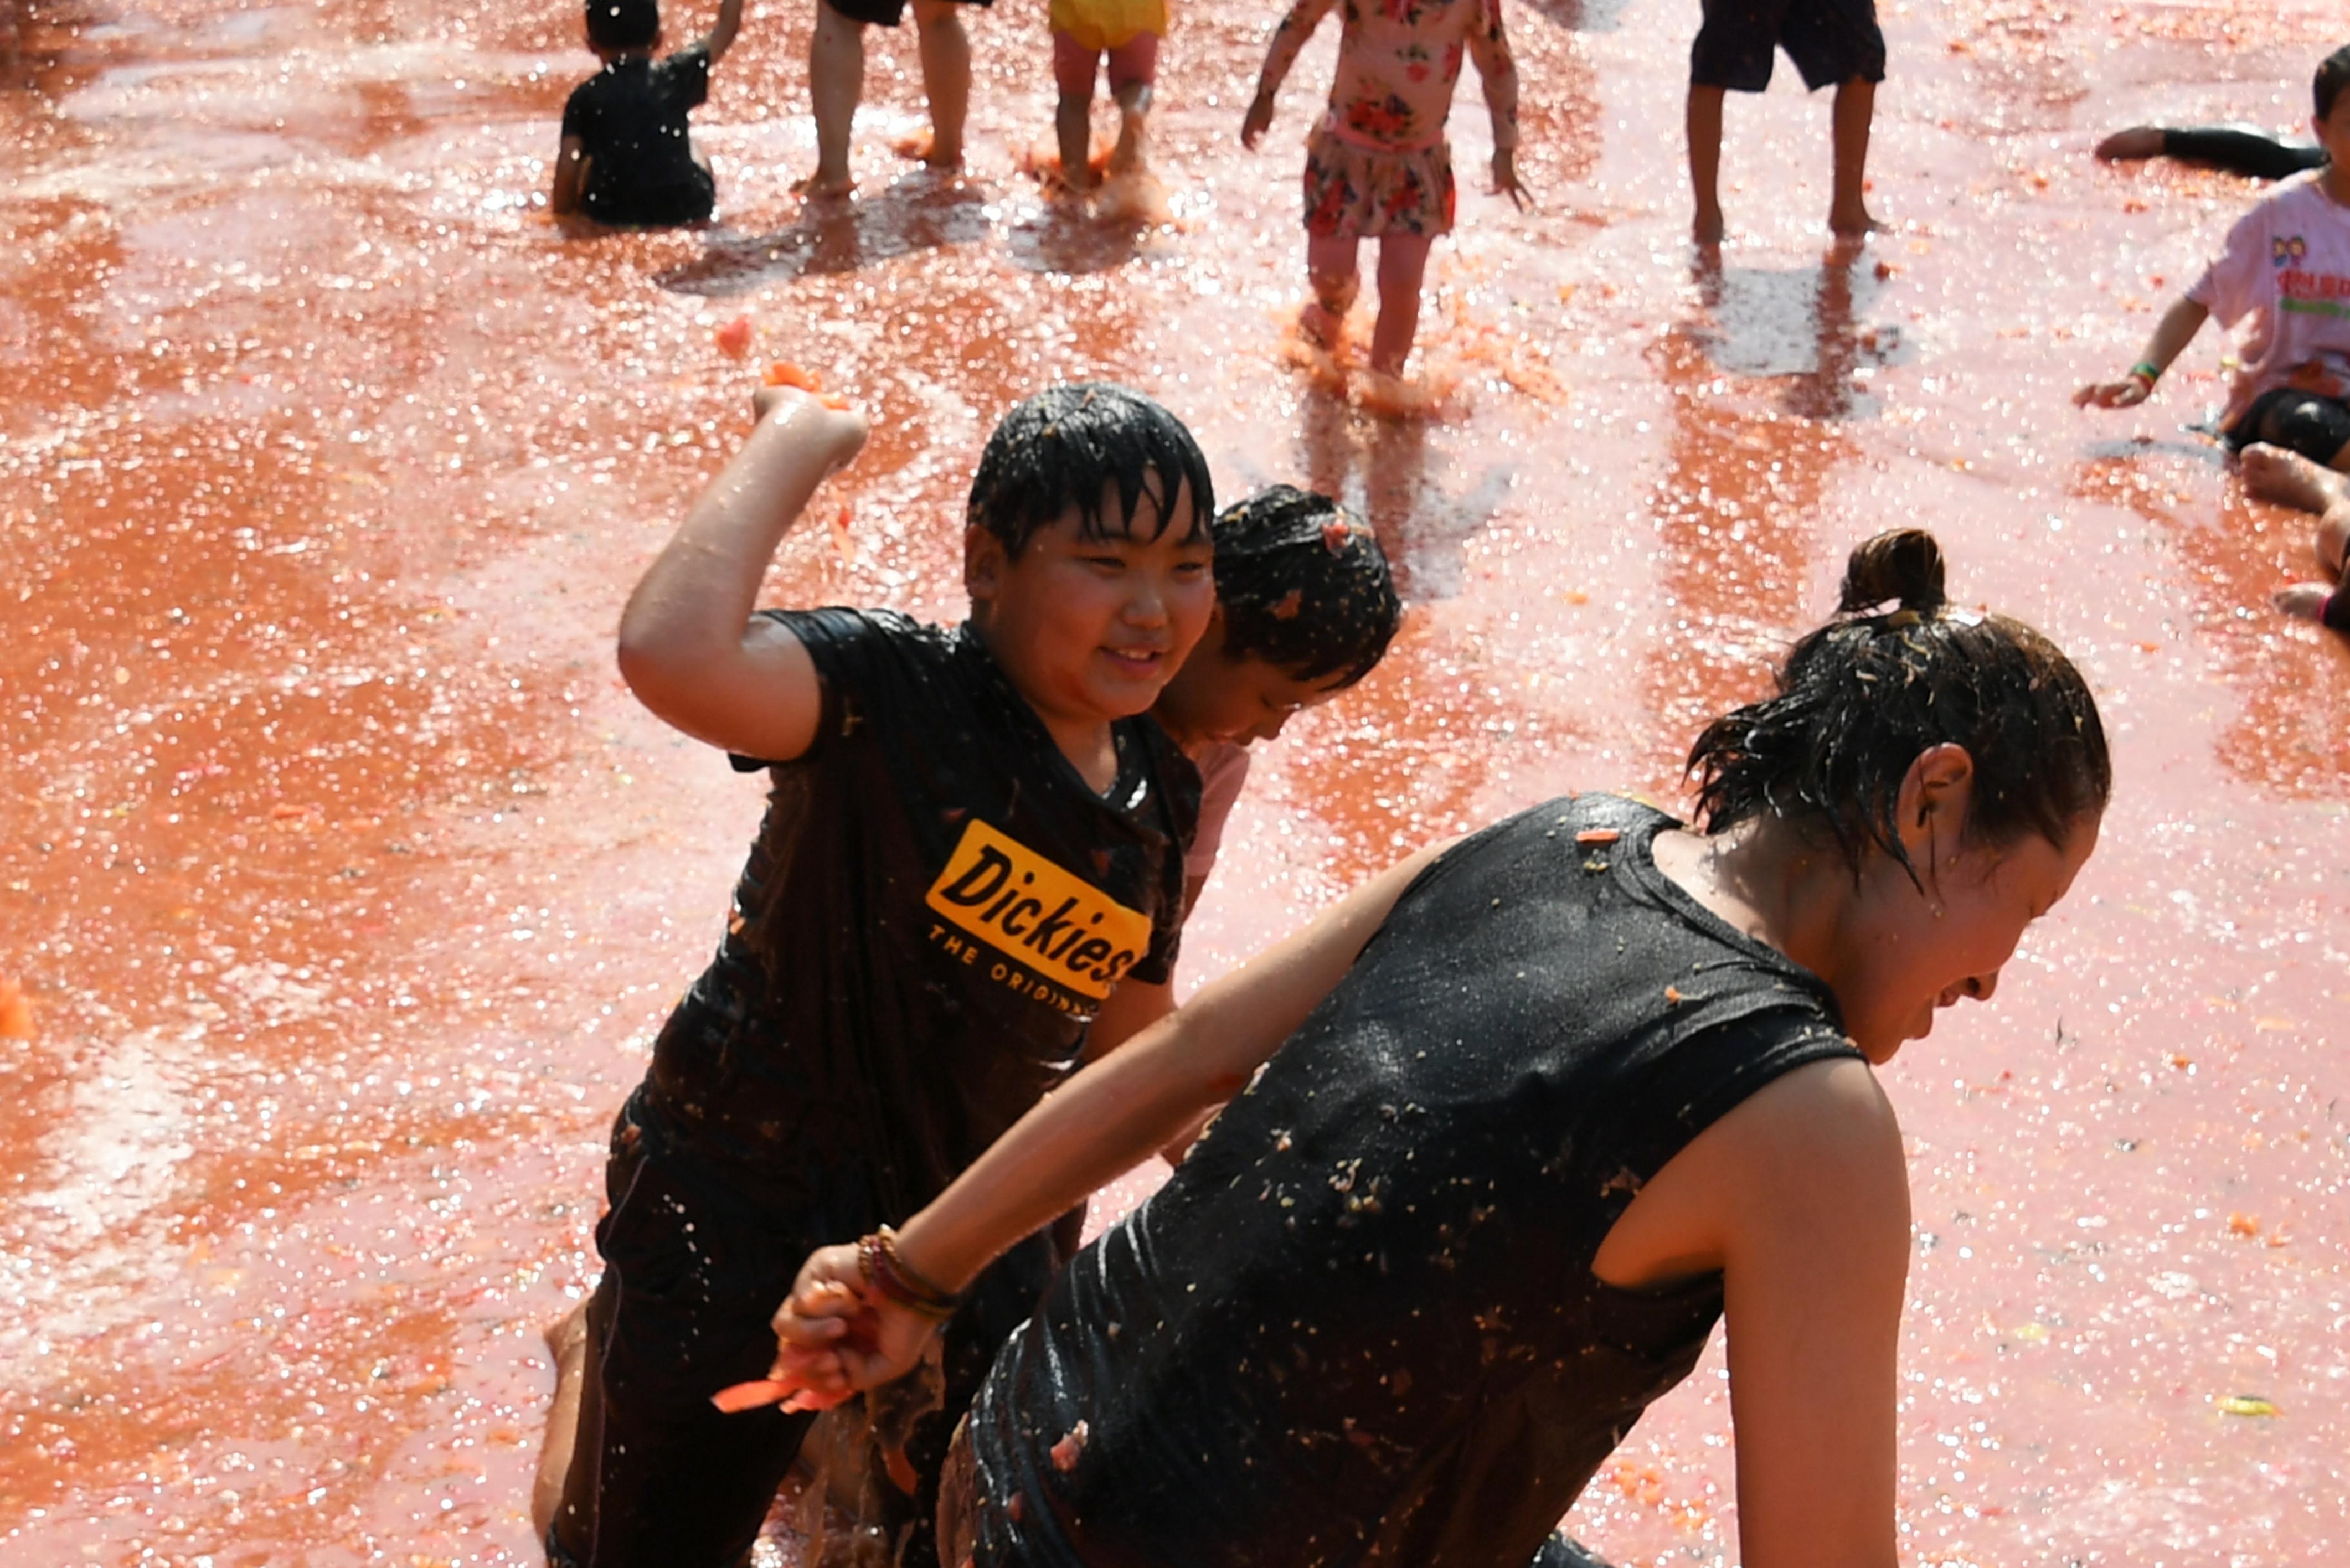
1127	31
1377	165
625	156
2287	265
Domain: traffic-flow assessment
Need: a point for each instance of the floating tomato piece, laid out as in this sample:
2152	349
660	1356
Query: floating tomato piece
783	373
15	1012
733	339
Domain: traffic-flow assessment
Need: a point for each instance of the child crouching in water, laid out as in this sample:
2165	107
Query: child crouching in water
1084	32
625	155
1378	166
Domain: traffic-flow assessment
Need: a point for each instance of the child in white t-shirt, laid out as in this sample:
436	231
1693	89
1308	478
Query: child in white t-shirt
2286	267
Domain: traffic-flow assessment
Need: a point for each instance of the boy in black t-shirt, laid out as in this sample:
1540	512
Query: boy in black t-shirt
626	157
973	836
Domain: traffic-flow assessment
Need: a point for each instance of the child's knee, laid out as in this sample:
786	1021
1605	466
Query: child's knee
1335	290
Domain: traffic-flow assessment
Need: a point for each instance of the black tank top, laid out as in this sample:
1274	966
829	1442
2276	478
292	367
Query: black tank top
1359	1325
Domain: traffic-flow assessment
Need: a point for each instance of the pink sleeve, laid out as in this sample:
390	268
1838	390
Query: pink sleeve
2236	283
1222	771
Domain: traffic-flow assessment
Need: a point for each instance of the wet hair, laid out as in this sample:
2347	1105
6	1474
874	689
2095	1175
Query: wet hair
2332	75
1304	586
623	24
1068	446
1862	697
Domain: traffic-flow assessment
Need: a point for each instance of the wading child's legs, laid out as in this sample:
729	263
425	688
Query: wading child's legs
1330	272
1403	263
835	82
1133	68
1705	159
1855	105
1074	69
946	78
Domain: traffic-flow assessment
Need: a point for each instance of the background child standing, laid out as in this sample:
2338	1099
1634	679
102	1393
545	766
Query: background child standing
1378	165
1084	31
625	156
1831	41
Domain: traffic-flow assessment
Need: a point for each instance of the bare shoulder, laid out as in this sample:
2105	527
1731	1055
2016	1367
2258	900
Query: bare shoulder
1824	1130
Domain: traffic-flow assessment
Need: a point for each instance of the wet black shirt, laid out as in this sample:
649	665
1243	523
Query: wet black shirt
1359	1323
936	905
629	118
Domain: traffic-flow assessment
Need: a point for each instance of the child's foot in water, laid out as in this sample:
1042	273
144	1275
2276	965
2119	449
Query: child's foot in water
924	147
2304	601
1320	325
821	186
2127	146
1708	228
1852	220
2289	479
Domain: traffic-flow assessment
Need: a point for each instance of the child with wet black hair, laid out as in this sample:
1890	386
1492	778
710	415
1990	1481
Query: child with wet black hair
625	155
1305	608
974	837
2286	268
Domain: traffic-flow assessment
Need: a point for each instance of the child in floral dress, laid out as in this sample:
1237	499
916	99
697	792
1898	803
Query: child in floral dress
1378	165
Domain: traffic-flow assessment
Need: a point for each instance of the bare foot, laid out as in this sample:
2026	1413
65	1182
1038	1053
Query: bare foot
2304	601
1708	228
2129	146
821	186
923	146
1856	221
2289	479
1321	325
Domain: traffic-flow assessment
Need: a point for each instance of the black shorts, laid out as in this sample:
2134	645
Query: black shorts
1831	42
2315	425
694	1267
882	12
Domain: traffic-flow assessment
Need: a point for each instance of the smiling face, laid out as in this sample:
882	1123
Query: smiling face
1216	698
1915	951
1092	628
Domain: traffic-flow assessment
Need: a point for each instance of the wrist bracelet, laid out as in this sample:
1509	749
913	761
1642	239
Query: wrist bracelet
888	1272
2145	371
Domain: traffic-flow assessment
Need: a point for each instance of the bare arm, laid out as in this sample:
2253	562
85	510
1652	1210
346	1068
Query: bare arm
571	163
688	647
1489	45
1109	1118
1288	39
720	36
2176	328
1815	1257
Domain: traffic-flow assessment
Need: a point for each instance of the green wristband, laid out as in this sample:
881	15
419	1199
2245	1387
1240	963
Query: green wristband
2148	370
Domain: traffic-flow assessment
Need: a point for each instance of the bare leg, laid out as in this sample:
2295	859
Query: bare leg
1133	66
1705	161
1403	263
2127	146
1855	105
835	81
946	78
2289	479
1074	66
1330	271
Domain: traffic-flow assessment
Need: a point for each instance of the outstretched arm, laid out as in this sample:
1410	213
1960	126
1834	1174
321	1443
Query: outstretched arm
720	36
837	1335
1489	45
688	647
2176	328
1288	39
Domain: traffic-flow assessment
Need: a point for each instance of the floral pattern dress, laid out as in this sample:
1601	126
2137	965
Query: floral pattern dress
1378	162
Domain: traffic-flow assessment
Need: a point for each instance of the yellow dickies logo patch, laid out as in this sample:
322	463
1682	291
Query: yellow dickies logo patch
1058	936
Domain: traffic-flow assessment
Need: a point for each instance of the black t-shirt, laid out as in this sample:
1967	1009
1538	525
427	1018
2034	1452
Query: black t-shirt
629	118
1359	1323
935	907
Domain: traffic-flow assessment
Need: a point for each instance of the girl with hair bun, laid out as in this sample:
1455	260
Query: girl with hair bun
1509	1128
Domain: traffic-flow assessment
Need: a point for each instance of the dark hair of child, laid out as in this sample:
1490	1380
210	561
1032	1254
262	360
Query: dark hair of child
1066	446
2332	75
1304	586
623	24
1862	697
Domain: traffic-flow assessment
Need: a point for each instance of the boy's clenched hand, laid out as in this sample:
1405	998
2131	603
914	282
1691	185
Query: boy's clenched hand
841	431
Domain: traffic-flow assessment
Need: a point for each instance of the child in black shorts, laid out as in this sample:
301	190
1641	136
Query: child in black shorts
974	835
625	156
837	81
1831	41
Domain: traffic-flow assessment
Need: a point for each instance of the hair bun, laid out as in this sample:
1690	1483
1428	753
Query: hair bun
1902	565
